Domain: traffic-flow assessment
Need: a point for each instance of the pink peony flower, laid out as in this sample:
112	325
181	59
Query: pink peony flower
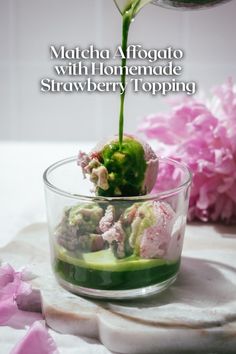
203	135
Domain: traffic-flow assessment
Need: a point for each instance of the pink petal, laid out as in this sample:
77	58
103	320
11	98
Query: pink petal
36	341
12	287
228	210
8	308
15	288
231	193
21	319
205	121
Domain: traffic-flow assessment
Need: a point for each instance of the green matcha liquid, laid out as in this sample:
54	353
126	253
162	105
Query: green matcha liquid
128	16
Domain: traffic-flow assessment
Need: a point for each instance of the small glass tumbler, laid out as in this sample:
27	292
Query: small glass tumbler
117	247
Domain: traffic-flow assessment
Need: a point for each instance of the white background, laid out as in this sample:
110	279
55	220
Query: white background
28	27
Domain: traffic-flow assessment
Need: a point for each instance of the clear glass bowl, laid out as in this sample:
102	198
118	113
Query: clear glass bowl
115	247
188	4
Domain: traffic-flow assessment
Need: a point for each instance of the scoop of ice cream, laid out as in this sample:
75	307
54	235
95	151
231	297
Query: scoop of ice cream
143	229
79	228
150	226
154	244
126	170
85	216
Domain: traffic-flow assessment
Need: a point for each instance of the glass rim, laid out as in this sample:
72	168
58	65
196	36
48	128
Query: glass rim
146	197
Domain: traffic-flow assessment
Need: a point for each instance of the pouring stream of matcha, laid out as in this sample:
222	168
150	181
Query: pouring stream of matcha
128	10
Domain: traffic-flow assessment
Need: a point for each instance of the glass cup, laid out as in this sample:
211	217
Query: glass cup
117	247
188	4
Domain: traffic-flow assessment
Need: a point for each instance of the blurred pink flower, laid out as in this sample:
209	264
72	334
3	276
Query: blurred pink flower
203	135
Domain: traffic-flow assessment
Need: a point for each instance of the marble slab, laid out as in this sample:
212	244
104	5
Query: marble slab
197	314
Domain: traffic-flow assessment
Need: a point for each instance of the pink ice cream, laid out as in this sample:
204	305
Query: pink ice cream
151	228
144	229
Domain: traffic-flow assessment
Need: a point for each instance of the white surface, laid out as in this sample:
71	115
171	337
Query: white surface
28	27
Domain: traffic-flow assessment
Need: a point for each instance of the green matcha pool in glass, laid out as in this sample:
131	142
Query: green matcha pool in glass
108	242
